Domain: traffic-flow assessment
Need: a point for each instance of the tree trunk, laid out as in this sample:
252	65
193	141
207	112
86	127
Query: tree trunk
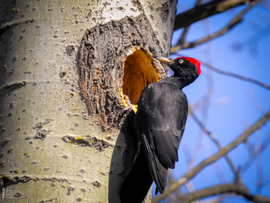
65	133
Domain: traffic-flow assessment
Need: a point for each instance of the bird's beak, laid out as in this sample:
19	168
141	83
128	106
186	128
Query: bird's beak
165	60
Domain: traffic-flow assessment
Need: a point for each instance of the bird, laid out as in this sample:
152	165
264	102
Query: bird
160	123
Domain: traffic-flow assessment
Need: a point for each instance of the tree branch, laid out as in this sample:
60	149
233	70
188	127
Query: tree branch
213	138
213	158
186	29
255	153
235	75
255	102
218	199
206	10
237	19
223	189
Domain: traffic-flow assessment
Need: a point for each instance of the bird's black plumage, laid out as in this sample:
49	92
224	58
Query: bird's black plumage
160	123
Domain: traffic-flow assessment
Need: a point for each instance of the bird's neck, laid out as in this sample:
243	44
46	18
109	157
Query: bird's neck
175	81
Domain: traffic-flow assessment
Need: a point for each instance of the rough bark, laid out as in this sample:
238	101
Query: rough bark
65	134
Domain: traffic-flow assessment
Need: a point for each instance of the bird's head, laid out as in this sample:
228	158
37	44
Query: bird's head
187	69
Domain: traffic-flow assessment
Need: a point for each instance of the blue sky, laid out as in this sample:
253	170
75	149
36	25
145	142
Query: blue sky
227	121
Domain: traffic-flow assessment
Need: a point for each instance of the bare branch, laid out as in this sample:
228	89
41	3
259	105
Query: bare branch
259	181
181	41
259	164
198	2
237	19
218	199
255	102
235	75
255	153
213	138
177	194
213	158
186	29
206	10
223	189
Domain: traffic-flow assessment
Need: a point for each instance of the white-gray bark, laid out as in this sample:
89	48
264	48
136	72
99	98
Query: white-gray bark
52	147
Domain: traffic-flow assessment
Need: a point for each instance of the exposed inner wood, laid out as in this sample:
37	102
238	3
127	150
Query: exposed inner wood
105	70
139	71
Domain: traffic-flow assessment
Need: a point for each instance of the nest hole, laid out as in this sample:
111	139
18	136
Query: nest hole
139	71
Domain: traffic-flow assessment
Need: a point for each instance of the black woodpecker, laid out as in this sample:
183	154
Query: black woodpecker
160	123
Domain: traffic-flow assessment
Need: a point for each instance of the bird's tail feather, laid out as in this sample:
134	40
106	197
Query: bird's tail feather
157	170
138	182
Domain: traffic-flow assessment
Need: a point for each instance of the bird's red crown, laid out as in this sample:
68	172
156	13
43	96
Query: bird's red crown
195	62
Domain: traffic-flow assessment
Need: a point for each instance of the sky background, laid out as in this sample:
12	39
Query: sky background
230	110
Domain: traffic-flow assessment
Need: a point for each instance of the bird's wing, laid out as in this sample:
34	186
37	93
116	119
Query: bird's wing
161	117
157	170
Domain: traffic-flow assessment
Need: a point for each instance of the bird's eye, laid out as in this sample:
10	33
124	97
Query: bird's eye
181	61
